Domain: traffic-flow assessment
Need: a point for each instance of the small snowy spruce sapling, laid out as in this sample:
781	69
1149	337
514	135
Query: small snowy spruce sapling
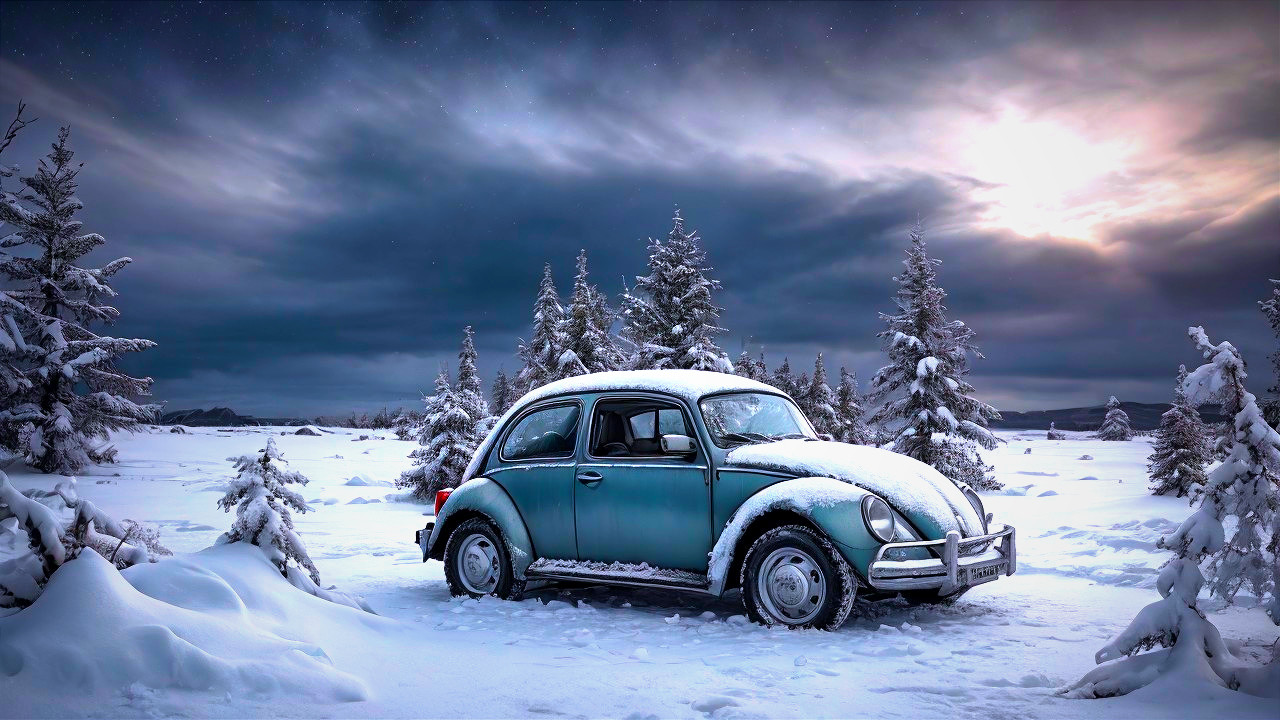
1271	309
1115	426
262	500
588	346
923	390
76	393
821	401
1181	448
544	354
850	413
751	368
1054	433
670	315
1242	489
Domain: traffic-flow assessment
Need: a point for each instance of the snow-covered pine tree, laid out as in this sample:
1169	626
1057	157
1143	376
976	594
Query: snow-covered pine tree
923	389
263	505
14	351
500	393
77	395
746	366
1271	310
785	380
670	316
1242	488
1054	433
850	413
449	439
822	401
543	356
1115	426
471	390
588	346
1181	449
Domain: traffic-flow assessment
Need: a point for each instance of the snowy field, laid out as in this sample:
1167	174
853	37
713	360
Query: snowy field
248	644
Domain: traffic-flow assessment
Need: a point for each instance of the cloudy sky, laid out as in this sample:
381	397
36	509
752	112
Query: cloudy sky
318	197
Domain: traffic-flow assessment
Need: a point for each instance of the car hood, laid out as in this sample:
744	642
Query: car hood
927	499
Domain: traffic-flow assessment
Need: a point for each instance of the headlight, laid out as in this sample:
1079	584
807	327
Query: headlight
879	518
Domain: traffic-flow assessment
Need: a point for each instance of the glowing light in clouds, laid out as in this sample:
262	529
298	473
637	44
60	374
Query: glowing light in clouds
1047	178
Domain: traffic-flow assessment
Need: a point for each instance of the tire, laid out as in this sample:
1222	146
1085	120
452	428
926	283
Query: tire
476	562
931	597
793	576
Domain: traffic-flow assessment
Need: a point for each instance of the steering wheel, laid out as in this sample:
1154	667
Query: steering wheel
615	449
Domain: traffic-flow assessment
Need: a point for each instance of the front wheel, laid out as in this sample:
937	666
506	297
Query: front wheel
793	576
476	562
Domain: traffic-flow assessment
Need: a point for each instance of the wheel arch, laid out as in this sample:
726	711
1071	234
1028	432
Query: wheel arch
484	498
829	507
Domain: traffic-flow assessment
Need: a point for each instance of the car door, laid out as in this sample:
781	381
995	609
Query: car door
536	460
631	503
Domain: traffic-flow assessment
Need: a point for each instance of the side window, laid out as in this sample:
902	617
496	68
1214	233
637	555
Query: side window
634	428
549	433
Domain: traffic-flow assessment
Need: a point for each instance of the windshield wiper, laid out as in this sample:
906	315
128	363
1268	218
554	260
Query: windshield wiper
745	438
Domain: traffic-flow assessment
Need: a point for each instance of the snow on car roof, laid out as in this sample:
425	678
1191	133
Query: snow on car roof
687	384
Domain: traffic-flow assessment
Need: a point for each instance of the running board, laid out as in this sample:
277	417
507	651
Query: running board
641	575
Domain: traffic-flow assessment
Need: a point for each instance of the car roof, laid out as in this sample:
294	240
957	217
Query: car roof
690	385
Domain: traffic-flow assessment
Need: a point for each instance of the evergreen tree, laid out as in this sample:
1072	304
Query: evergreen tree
670	316
449	439
923	389
1181	449
262	503
746	367
850	413
501	395
822	401
1054	433
14	351
1115	426
1271	309
74	394
544	355
589	347
784	380
1243	488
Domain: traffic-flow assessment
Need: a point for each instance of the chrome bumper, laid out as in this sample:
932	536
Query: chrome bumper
951	571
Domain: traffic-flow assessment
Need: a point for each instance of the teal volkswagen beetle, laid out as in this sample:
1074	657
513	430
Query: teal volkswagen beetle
705	482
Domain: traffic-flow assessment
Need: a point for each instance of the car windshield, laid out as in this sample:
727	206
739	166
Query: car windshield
744	418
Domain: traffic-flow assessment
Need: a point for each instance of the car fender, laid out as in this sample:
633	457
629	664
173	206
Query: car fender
832	506
487	498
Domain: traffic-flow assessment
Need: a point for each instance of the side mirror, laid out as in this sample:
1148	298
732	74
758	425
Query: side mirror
678	445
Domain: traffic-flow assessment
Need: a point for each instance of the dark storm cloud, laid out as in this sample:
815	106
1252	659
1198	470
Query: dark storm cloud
318	198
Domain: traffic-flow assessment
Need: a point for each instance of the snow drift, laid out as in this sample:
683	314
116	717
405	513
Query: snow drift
222	621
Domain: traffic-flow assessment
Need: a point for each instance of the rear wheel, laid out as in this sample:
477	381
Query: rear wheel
793	576
476	562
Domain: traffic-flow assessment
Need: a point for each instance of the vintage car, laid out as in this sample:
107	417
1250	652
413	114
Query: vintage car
705	482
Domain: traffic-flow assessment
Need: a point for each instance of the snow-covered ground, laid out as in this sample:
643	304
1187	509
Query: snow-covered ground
220	634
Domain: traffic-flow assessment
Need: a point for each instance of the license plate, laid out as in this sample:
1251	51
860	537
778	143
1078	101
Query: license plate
984	574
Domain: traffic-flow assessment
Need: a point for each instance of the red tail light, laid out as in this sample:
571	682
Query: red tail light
441	496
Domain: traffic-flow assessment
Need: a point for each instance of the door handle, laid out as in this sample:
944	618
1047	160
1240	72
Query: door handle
590	478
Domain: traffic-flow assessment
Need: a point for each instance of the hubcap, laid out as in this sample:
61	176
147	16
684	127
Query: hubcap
791	586
479	568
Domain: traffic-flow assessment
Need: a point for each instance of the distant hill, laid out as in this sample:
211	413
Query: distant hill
221	417
1142	416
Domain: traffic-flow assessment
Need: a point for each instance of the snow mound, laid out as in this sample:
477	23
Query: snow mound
218	626
307	430
366	481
